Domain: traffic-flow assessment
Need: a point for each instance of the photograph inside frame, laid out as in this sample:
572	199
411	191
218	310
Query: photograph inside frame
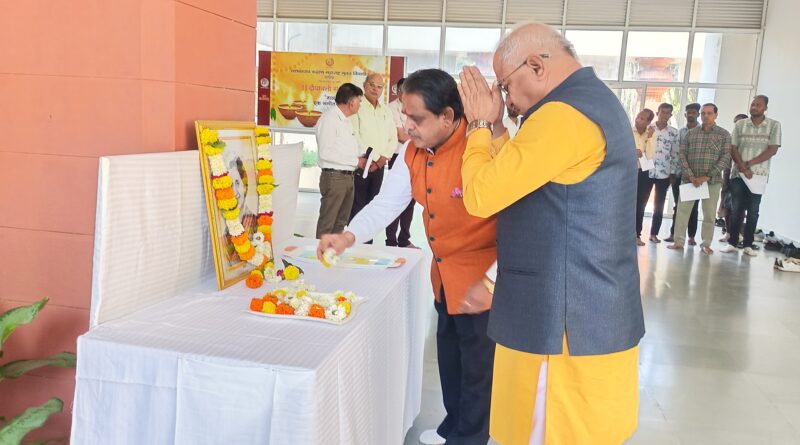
238	196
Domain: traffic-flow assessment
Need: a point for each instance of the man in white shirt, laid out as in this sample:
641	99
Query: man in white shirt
338	157
403	239
374	127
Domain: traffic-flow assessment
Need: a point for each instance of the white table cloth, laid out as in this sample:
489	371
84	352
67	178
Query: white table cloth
198	369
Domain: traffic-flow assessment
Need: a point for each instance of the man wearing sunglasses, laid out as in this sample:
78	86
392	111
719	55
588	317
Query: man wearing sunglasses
566	312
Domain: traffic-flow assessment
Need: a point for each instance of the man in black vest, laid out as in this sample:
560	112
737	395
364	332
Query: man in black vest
567	313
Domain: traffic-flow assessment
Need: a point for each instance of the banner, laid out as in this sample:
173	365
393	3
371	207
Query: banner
294	89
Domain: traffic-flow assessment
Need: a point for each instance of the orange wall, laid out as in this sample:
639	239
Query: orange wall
81	79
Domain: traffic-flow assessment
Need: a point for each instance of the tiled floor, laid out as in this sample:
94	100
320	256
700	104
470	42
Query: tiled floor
720	363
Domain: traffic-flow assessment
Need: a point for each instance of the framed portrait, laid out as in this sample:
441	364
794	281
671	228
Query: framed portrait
238	182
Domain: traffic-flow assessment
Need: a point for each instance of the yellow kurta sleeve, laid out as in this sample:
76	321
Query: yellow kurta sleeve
555	144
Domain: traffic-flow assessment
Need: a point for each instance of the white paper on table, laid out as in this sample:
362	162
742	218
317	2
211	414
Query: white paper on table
757	184
646	164
691	193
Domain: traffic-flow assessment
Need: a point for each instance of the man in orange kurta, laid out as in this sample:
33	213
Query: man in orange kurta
463	247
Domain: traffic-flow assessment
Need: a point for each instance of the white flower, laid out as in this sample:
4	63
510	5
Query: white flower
263	151
217	164
302	309
257	259
330	256
258	239
235	227
350	296
326	300
336	313
294	302
264	203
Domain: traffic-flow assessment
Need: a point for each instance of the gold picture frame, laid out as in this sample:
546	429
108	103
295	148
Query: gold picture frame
240	155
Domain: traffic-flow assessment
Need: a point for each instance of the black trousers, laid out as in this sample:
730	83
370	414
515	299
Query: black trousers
644	189
743	201
466	361
365	190
676	195
403	239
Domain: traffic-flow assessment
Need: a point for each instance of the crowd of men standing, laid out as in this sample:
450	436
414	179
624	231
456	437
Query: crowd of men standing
733	166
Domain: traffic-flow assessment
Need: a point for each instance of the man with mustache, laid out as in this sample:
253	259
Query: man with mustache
464	247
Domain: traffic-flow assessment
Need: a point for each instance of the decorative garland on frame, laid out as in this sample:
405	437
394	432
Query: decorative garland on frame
253	248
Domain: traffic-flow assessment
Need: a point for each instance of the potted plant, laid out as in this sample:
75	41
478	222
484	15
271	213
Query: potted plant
14	430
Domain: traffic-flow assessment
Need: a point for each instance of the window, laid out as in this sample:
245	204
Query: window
599	49
470	46
723	58
264	33
729	102
357	39
656	95
656	56
419	44
303	37
310	171
631	99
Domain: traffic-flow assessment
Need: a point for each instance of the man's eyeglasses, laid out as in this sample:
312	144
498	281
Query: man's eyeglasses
375	85
502	82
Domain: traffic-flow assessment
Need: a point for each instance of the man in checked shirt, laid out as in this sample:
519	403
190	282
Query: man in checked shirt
704	153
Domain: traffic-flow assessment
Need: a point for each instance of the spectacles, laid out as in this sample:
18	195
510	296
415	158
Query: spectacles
375	85
502	82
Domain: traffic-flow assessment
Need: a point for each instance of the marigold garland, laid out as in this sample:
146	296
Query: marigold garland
251	247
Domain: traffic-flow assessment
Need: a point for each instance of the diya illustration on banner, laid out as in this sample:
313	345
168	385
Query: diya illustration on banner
294	89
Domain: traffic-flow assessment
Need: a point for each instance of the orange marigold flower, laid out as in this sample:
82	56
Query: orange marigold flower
284	309
246	256
264	220
256	304
239	239
254	281
226	193
316	311
265	172
270	297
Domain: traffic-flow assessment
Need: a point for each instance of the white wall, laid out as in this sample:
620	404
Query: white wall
778	79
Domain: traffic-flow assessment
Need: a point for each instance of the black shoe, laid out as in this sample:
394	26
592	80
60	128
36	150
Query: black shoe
719	222
773	246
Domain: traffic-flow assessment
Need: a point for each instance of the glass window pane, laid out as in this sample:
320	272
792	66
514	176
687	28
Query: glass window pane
656	95
419	44
357	39
729	102
631	99
470	46
723	58
303	37
264	32
599	49
656	56
309	173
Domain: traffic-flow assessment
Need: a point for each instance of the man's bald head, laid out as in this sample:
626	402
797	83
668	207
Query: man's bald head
531	61
533	37
373	87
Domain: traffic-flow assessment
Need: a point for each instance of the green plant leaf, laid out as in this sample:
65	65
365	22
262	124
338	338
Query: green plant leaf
33	418
17	317
17	368
273	114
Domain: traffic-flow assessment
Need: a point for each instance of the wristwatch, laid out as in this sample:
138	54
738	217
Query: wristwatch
478	124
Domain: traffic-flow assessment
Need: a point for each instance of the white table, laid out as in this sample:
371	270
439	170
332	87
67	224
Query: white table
198	369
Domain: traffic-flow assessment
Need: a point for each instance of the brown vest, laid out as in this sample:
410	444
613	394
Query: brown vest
463	246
